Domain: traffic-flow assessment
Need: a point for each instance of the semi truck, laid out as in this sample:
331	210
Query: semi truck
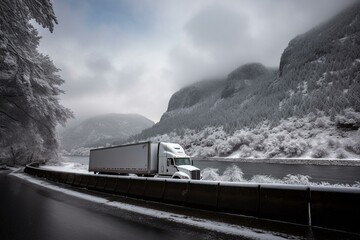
150	159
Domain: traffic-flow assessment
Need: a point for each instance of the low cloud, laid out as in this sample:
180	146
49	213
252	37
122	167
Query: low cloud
131	56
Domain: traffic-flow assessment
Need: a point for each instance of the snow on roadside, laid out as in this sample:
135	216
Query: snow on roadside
231	174
308	161
68	167
235	174
226	228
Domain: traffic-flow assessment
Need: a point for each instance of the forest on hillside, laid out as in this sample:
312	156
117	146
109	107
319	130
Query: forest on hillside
313	136
319	72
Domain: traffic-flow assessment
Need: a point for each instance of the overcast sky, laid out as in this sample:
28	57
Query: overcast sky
130	56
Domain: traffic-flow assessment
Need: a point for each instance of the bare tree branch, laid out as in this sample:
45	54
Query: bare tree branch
31	117
9	116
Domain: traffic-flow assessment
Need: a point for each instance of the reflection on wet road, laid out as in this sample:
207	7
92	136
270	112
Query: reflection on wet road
30	212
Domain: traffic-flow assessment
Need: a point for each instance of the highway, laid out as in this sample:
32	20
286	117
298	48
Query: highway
30	212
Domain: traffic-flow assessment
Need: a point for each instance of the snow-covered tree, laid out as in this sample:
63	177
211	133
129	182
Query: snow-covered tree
233	174
29	86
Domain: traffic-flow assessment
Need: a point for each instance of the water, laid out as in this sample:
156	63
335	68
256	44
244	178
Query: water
316	173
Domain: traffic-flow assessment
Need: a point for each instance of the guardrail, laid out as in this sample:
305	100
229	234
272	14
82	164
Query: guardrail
325	207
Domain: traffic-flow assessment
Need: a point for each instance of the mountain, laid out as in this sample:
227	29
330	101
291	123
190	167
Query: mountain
221	102
319	71
103	129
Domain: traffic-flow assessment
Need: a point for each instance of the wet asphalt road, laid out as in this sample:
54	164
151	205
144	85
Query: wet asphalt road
29	211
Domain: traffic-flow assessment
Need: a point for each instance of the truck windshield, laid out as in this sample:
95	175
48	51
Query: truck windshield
182	161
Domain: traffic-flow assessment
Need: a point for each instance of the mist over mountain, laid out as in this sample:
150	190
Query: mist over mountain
103	129
319	71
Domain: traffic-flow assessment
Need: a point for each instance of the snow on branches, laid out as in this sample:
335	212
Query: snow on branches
29	84
314	136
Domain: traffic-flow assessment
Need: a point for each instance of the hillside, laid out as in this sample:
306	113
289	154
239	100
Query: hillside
215	103
319	70
319	74
103	129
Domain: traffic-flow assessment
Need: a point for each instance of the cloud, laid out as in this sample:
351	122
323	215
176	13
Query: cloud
99	64
220	36
131	56
218	28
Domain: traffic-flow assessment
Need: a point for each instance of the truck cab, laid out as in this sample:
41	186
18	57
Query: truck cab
174	162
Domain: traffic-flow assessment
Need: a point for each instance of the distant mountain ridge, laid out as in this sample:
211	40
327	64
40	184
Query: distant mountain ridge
319	71
194	95
103	129
321	68
211	103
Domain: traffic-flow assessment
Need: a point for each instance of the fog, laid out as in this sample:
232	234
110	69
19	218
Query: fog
131	56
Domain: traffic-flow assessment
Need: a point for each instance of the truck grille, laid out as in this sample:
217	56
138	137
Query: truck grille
195	174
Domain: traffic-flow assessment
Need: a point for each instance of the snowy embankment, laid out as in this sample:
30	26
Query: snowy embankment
231	174
68	167
305	161
235	174
311	137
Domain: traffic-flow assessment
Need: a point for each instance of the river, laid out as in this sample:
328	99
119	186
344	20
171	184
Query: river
317	173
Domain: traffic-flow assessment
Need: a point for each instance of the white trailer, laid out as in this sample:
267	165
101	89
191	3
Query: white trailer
145	159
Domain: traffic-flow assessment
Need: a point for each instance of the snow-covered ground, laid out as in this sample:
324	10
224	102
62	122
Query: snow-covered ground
231	174
235	174
239	231
310	137
68	167
302	161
